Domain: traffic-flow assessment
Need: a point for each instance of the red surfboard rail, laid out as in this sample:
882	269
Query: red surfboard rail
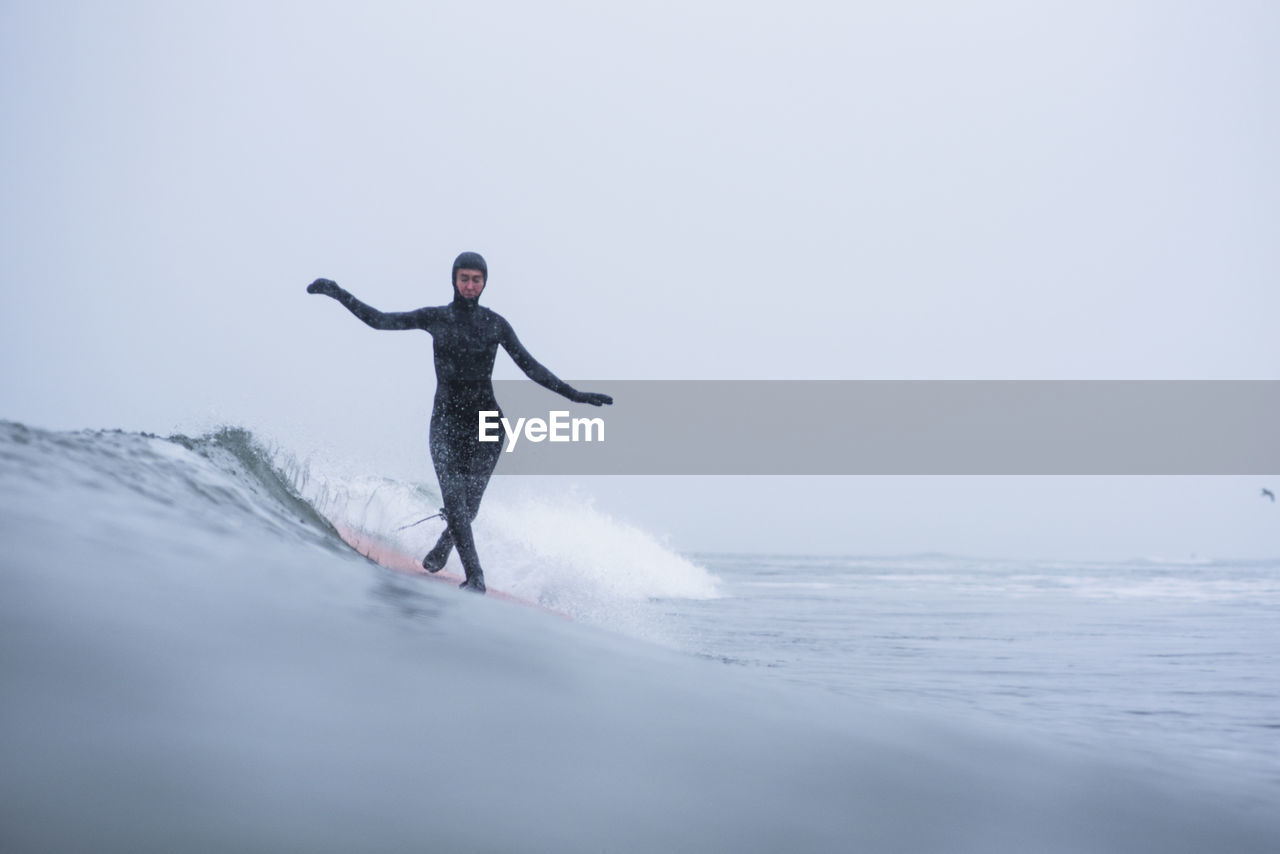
382	553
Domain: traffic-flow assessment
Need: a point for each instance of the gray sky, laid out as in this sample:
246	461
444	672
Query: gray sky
663	190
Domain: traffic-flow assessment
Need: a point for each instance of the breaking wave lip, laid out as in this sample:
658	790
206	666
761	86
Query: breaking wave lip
222	480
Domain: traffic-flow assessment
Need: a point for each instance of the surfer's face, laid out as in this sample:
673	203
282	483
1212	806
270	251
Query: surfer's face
469	283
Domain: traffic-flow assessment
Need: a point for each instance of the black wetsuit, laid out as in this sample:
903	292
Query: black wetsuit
465	338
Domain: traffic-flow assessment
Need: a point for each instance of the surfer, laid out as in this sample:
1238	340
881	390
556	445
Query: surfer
465	338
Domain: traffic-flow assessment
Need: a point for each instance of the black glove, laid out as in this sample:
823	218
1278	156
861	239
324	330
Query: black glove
592	397
328	287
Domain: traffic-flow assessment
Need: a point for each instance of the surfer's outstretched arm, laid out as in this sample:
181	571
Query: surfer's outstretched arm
367	313
543	377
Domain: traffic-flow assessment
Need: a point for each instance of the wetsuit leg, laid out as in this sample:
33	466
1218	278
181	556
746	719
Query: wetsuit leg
476	484
439	554
463	466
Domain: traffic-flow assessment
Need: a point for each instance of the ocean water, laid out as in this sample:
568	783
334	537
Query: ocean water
1173	664
191	659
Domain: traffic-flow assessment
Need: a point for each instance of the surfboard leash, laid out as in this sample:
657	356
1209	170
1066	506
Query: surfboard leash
439	515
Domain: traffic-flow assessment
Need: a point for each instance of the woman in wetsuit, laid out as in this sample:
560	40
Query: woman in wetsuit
465	338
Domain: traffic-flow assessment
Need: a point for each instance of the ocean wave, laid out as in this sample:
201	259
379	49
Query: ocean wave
565	554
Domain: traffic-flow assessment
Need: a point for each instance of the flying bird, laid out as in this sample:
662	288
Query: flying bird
1266	493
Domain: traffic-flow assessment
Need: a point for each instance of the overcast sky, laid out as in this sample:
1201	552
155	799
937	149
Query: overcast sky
980	190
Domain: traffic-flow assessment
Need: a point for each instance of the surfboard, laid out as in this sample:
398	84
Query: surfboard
378	550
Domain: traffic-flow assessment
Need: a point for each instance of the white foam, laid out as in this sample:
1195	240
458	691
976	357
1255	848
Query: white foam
562	552
564	549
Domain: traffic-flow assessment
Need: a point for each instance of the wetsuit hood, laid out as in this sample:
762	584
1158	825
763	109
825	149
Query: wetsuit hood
467	261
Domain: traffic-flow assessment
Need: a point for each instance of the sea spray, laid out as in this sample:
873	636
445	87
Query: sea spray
561	552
